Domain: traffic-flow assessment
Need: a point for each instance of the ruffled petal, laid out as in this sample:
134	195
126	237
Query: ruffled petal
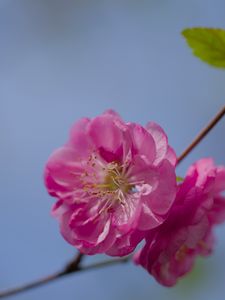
63	171
126	244
160	200
107	136
79	139
126	216
163	150
143	143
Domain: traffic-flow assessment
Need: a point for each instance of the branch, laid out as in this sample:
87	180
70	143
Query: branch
74	265
202	134
68	270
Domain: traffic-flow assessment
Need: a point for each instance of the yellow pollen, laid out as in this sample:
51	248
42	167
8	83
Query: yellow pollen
115	179
108	183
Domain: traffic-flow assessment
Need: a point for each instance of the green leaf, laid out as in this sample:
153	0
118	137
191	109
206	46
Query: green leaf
208	44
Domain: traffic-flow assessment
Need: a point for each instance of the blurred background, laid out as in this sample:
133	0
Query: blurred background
61	60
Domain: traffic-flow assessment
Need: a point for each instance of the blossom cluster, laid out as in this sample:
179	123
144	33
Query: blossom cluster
115	185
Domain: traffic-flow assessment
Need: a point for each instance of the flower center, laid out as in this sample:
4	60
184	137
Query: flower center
110	183
116	179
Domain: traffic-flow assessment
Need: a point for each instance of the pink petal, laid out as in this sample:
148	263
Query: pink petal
143	143
161	199
79	139
106	135
62	171
126	216
126	244
163	151
148	220
220	180
217	213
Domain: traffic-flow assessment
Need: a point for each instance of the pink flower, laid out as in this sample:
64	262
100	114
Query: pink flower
113	181
171	249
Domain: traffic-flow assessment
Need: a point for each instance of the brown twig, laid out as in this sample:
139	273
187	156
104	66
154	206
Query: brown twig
202	134
31	285
71	267
75	265
68	270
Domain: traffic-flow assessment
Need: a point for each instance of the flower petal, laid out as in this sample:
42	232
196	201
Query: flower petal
163	151
143	142
106	136
161	199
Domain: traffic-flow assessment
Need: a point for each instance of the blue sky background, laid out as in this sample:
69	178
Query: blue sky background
62	60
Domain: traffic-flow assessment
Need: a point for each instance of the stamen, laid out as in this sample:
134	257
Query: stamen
107	183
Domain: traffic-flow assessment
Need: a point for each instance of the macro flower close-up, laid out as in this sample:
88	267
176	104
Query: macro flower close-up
113	182
112	150
171	249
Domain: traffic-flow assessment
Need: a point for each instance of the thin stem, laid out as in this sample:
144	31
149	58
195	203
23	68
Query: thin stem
202	134
71	267
74	266
31	285
58	275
